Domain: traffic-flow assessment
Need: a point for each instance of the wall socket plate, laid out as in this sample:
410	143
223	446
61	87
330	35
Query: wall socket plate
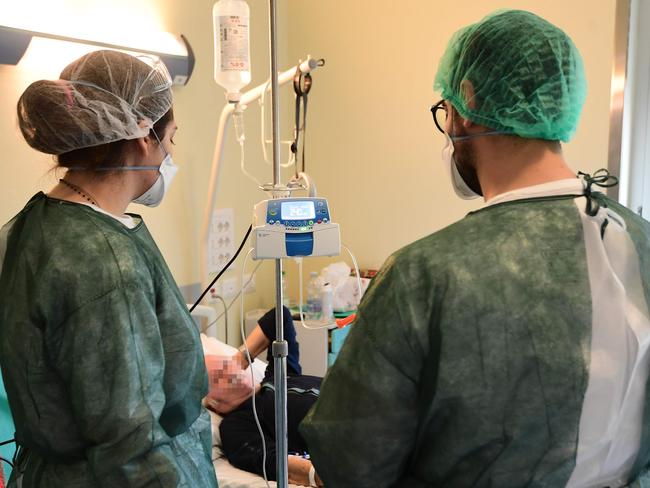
221	240
228	288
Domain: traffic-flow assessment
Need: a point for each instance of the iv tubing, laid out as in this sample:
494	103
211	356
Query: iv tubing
226	113
319	324
247	355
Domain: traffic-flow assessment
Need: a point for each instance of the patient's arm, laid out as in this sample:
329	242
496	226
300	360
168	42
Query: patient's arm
229	382
256	343
263	334
299	471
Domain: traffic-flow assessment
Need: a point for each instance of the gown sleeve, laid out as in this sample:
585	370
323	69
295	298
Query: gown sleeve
362	429
112	358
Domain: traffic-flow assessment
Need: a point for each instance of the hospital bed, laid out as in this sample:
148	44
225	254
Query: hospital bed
227	475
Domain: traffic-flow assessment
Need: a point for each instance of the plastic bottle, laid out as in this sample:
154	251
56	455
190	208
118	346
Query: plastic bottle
313	298
327	302
232	53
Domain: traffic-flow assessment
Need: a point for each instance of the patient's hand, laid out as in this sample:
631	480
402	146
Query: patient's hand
229	385
299	471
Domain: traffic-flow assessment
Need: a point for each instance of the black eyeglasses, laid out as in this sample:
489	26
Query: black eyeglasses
439	113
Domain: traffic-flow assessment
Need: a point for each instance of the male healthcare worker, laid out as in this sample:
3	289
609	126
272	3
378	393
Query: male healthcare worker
511	348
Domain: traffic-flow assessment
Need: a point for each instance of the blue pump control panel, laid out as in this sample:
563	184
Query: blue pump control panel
297	215
291	227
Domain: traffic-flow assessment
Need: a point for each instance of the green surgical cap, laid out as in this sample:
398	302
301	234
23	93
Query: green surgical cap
527	75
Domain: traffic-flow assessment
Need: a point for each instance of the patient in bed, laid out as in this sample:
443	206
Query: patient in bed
230	396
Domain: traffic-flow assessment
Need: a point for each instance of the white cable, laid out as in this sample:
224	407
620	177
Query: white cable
236	296
264	140
356	269
320	323
312	323
250	365
238	118
225	309
263	130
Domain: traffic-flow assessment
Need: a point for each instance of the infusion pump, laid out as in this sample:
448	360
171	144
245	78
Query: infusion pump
294	227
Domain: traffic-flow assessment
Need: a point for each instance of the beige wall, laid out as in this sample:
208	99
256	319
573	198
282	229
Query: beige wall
175	224
198	107
372	146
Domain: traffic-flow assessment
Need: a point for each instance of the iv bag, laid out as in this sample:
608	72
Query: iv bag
231	46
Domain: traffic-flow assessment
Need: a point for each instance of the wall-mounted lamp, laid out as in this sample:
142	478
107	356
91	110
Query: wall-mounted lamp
175	52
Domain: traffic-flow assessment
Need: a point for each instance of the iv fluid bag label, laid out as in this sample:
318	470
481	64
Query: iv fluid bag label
233	32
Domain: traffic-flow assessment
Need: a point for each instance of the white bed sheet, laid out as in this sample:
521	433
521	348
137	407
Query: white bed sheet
231	477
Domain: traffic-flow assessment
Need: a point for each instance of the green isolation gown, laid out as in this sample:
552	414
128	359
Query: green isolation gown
101	360
493	354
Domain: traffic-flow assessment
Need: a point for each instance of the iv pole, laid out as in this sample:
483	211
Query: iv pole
280	347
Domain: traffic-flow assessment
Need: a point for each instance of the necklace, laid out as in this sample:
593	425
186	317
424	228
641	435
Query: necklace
78	190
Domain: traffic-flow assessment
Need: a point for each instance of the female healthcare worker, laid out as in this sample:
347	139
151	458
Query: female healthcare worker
101	360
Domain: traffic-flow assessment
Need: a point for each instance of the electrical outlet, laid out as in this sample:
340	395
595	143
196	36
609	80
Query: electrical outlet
221	241
250	287
229	288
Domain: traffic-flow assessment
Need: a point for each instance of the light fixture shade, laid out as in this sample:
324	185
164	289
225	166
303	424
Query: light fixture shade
180	63
13	44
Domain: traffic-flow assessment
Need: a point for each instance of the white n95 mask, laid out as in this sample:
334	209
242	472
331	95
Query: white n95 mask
461	188
154	195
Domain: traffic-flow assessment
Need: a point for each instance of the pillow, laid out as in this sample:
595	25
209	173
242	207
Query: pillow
215	347
215	421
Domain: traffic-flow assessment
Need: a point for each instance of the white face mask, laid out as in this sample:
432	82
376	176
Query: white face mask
154	195
461	188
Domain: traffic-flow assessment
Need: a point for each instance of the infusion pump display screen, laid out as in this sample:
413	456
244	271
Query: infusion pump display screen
297	210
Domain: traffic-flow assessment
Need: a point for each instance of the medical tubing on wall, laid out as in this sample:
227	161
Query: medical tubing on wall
250	365
236	297
225	310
